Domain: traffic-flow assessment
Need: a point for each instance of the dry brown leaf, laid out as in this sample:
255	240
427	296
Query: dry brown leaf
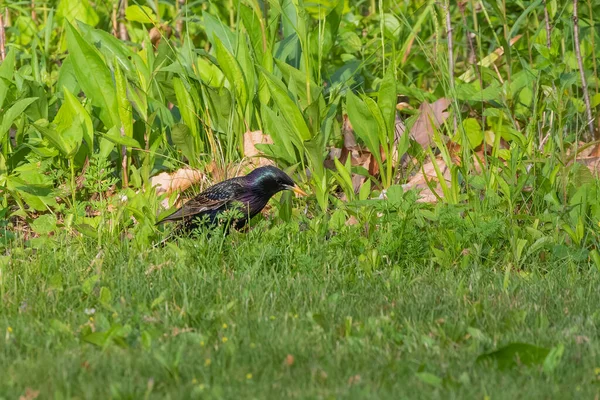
289	360
251	139
428	174
351	221
593	164
431	116
179	180
30	394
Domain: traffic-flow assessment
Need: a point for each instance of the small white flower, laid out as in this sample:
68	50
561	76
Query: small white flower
89	311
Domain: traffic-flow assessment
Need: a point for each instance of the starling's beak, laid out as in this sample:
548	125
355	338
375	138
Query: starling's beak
296	190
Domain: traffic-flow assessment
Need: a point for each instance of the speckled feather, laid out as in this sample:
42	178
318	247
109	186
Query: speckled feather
249	193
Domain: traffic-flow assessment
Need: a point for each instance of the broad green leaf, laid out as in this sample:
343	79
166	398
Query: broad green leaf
139	100
87	125
387	100
124	105
58	140
344	174
553	359
187	109
232	70
298	78
67	78
111	47
7	69
93	76
376	113
80	10
218	31
473	132
183	140
246	64
114	136
514	354
364	123
105	296
96	338
282	147
12	113
89	284
430	379
44	224
288	107
209	73
142	14
255	28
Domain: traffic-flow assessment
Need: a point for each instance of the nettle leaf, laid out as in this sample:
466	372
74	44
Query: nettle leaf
93	76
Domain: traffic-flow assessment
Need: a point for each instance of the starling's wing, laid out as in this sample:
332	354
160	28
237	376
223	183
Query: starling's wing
212	199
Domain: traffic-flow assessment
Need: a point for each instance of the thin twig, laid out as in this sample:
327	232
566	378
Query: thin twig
586	97
548	29
122	28
450	52
115	23
593	45
2	38
33	13
179	25
461	7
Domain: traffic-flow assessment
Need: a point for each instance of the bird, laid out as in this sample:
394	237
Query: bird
249	194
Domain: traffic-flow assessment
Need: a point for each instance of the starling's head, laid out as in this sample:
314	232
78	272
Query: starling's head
270	180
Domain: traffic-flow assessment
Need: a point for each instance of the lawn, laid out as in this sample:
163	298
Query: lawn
283	311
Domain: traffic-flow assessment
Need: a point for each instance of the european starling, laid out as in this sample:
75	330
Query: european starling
249	194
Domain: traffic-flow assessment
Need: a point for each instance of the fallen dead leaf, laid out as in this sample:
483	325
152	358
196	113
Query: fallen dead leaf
428	174
289	360
251	139
30	394
179	180
593	164
431	116
353	380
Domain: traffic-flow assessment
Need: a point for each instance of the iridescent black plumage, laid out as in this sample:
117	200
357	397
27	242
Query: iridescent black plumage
249	194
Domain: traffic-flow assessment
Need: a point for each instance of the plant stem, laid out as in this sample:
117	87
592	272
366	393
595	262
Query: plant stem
450	54
548	28
586	97
72	165
2	38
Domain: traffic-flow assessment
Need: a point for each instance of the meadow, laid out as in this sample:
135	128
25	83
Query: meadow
448	247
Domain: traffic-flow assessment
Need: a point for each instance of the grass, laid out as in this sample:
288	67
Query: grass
283	311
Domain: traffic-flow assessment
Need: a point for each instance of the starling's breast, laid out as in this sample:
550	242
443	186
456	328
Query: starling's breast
253	203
